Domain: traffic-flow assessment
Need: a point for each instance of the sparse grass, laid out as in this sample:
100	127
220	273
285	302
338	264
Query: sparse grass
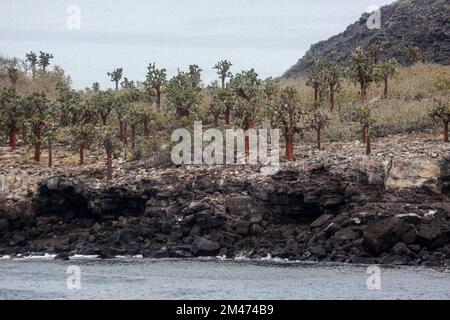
411	96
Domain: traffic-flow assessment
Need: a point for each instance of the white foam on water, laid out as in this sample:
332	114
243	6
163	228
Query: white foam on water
45	256
7	257
241	256
82	256
276	259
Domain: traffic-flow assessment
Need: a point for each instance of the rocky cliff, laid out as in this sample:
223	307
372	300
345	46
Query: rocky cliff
421	23
393	212
332	205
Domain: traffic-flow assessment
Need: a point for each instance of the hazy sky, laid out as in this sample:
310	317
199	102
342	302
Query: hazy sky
269	35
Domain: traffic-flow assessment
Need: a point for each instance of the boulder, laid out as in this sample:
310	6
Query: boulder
291	248
320	221
18	239
238	205
410	237
318	251
400	249
166	227
229	238
127	235
205	247
383	234
429	231
346	234
370	170
434	234
195	231
242	227
413	173
62	256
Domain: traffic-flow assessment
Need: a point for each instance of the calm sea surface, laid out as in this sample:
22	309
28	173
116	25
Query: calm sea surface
130	278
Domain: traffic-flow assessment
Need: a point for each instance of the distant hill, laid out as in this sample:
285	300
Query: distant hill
421	23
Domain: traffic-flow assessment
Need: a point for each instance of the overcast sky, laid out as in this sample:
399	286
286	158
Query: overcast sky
269	35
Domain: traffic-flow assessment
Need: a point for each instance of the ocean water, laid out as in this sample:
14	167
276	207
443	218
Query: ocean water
134	278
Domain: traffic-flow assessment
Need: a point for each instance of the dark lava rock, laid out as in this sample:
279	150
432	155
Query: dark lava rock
206	247
395	260
346	234
182	254
291	248
195	231
127	235
333	202
17	240
106	255
364	260
238	205
4	225
62	256
320	221
166	227
401	249
318	251
242	227
382	234
410	237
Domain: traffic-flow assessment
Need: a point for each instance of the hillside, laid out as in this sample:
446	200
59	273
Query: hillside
421	23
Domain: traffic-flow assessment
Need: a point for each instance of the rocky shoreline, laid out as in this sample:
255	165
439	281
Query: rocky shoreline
309	215
384	209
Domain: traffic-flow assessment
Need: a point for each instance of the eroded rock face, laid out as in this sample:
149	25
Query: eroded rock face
405	173
314	214
414	173
371	170
62	196
72	197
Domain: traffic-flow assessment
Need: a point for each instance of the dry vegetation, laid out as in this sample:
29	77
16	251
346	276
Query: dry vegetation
412	94
411	97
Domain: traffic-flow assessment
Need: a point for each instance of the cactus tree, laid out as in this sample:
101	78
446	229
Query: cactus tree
285	111
44	60
384	71
156	78
11	113
441	111
115	76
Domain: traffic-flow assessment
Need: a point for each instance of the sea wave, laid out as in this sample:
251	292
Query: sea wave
83	256
45	256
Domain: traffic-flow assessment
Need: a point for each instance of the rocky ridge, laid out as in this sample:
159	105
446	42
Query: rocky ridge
421	23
